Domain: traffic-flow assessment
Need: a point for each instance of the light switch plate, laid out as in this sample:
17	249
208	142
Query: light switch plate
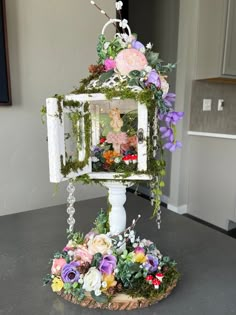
206	105
220	105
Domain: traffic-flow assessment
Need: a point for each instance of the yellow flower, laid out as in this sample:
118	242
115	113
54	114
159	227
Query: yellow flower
140	258
110	281
57	284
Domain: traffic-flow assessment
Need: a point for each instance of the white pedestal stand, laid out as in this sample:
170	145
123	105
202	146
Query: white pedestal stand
117	198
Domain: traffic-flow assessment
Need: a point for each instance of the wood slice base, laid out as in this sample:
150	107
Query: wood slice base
119	302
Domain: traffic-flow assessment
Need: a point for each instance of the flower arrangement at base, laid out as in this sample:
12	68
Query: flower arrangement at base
101	266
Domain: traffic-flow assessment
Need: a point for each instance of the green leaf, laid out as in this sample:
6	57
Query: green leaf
102	298
75	285
166	259
96	260
135	74
152	58
105	76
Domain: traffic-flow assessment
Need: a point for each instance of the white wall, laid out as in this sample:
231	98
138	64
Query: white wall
51	45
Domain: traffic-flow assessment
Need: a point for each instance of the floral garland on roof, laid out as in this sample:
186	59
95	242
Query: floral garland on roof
129	63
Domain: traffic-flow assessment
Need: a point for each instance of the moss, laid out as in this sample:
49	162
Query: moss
143	289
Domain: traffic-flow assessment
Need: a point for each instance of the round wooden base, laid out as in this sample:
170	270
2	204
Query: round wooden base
119	302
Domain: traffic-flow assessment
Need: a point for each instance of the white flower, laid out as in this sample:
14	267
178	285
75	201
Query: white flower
92	280
148	69
123	23
120	237
106	45
141	244
119	5
117	160
121	248
81	281
149	46
142	50
104	284
97	292
116	270
95	159
71	253
101	243
135	245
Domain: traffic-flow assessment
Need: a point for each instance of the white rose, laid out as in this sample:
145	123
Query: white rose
92	280
99	244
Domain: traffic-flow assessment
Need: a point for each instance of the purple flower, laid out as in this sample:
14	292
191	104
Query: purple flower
173	118
107	264
153	78
96	149
172	146
137	45
151	264
169	99
70	273
167	133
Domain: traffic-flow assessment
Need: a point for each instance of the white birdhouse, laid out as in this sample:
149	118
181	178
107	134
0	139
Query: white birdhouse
105	139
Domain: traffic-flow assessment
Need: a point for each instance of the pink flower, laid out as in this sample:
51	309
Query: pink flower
139	250
130	59
109	64
57	265
82	254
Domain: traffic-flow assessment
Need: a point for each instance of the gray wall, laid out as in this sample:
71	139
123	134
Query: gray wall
157	23
51	44
213	121
202	173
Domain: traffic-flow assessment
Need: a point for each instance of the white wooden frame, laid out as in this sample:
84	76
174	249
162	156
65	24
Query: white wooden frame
56	143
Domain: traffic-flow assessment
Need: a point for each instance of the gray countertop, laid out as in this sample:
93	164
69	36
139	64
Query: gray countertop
206	258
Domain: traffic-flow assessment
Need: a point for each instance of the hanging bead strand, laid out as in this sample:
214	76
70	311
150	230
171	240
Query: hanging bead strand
156	198
70	208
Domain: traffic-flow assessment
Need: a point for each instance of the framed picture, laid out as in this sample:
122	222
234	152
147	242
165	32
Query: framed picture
5	90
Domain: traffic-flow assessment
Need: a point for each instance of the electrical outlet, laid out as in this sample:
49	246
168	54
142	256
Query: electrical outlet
206	105
220	105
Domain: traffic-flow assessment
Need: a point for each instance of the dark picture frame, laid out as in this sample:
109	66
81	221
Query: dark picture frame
5	89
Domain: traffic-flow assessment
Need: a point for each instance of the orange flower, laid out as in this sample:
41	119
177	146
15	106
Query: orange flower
110	156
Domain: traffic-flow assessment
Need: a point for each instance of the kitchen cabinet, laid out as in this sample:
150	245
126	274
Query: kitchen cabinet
216	39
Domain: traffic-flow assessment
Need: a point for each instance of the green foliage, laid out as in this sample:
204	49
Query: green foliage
129	271
76	237
152	58
96	260
75	289
43	113
102	298
47	279
141	288
105	76
102	222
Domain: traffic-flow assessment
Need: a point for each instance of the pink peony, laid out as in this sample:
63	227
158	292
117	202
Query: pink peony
82	254
130	59
109	64
57	265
